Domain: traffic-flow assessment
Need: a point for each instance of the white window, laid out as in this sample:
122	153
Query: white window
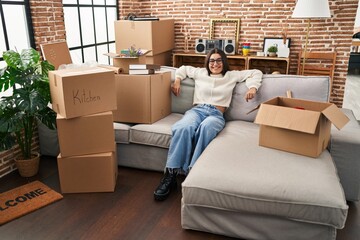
89	26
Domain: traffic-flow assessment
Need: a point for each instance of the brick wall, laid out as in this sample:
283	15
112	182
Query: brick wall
48	21
259	19
7	163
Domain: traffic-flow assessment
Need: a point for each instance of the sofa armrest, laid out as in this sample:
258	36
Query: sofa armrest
344	148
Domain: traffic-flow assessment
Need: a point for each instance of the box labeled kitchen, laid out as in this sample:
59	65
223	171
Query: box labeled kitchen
82	91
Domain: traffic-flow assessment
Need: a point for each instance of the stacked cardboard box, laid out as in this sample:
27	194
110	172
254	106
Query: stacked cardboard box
84	99
142	98
157	36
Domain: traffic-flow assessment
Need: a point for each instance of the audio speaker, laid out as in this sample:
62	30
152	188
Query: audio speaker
200	46
229	47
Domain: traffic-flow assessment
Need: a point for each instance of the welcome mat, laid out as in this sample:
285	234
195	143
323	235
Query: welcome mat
25	199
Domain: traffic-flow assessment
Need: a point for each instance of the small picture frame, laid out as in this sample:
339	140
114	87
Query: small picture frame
274	41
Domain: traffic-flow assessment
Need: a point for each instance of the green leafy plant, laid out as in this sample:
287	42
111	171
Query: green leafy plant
273	49
27	75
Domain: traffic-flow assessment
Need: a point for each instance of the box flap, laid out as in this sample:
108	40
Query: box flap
288	118
336	116
56	53
118	55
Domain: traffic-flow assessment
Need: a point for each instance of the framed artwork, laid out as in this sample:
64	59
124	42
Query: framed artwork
226	23
274	41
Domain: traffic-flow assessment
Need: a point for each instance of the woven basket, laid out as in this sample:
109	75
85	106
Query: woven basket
28	167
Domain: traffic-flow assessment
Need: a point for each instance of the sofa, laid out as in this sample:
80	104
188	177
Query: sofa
240	189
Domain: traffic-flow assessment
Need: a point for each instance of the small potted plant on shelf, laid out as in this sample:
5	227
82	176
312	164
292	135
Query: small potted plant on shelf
28	102
272	50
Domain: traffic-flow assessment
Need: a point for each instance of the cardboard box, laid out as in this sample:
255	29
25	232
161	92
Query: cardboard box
88	173
155	35
297	126
82	91
123	62
86	135
142	98
162	59
56	53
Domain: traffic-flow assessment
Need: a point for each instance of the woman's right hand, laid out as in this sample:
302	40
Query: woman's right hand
175	87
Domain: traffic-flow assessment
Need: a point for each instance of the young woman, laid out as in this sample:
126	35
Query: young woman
214	85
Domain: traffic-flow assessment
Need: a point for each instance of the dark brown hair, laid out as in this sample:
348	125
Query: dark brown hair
223	58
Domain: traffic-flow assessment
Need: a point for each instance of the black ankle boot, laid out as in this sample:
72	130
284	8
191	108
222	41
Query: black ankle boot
167	183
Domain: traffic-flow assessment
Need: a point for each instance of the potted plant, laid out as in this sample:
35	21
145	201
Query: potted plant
28	103
272	50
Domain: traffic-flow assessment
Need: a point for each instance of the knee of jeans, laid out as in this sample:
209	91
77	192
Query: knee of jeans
215	124
182	129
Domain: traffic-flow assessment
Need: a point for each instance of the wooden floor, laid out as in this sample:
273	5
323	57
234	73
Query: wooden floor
128	213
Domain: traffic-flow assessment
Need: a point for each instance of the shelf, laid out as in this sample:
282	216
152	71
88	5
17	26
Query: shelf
236	62
269	64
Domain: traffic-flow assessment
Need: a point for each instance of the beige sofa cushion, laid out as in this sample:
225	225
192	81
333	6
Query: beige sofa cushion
344	147
235	174
157	134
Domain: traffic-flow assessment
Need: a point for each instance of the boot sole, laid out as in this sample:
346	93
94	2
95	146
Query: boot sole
162	197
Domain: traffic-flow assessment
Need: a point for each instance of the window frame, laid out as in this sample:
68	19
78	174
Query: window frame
29	23
83	46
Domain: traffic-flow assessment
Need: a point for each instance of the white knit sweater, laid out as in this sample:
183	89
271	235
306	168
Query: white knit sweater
217	89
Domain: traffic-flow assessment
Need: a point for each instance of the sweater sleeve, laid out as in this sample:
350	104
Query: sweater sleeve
252	78
186	71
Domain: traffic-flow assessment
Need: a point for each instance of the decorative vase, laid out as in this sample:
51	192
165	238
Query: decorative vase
28	167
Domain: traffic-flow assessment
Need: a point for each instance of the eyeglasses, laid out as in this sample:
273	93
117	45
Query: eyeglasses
218	61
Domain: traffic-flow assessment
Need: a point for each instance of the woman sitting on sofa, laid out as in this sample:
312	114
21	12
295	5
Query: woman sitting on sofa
214	85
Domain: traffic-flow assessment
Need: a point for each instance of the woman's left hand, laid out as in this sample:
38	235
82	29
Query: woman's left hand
250	94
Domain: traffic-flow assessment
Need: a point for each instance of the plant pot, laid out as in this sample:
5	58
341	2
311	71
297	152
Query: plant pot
28	167
272	54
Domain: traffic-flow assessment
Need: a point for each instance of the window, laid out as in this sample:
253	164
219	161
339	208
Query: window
89	26
15	29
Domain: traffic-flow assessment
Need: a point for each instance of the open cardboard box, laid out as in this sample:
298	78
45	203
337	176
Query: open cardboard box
298	126
123	61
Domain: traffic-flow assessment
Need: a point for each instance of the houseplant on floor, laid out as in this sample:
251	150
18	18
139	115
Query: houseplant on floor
27	76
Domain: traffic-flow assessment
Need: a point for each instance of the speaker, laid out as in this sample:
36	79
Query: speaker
229	47
200	46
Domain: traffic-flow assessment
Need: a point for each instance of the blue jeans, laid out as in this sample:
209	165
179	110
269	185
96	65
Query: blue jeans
190	135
